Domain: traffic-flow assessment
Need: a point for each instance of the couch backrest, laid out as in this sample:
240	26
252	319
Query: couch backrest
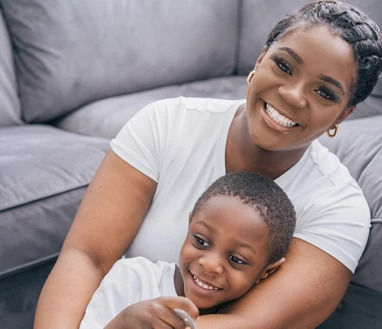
257	19
9	101
70	53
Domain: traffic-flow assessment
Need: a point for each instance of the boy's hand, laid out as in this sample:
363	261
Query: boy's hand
157	313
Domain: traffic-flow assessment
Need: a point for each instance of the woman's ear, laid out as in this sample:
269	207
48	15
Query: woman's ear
271	268
260	58
344	114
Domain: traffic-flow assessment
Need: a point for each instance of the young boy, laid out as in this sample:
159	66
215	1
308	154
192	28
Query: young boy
239	231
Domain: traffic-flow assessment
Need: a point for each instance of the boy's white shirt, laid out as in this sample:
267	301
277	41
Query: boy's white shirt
130	280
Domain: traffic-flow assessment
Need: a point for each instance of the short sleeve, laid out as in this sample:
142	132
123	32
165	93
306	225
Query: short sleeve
339	224
141	139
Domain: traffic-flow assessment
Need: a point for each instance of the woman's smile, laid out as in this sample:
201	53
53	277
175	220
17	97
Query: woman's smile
275	120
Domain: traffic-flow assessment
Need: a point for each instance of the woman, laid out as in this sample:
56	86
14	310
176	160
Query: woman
317	65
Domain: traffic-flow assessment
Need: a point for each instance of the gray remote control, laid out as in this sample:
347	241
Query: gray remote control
185	317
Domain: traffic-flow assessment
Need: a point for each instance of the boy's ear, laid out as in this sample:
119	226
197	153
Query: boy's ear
189	218
271	268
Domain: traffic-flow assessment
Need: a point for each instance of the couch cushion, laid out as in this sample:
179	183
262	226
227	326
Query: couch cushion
70	53
10	104
44	172
359	146
106	117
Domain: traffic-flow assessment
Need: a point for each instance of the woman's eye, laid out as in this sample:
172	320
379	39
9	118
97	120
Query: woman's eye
327	94
200	241
236	260
283	65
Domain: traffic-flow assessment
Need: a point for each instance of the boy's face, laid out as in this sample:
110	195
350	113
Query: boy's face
224	253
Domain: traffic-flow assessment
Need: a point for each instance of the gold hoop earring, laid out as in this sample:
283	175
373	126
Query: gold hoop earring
332	131
250	76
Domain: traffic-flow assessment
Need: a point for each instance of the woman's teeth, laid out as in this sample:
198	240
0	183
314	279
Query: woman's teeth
203	284
280	119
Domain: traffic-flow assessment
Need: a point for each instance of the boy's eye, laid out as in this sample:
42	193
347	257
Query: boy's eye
327	94
236	260
200	241
283	65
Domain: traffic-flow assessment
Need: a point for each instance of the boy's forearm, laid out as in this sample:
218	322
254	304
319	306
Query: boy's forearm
67	292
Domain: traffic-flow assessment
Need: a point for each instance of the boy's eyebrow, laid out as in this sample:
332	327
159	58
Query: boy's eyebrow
211	228
245	245
239	243
291	52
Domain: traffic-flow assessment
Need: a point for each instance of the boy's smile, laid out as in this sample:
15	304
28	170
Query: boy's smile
224	253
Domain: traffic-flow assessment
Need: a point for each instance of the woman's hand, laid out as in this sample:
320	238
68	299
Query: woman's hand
157	313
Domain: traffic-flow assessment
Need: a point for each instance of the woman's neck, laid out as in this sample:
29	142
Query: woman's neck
243	154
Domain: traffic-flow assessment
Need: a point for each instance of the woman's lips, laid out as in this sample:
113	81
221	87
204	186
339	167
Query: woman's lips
276	120
278	117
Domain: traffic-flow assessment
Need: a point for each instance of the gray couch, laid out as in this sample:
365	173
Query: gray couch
73	72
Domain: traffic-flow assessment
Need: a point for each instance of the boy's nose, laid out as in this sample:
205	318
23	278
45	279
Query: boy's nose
212	263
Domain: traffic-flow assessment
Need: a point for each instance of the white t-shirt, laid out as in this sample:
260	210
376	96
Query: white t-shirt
129	281
180	143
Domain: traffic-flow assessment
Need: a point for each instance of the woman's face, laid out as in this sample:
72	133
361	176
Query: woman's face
301	88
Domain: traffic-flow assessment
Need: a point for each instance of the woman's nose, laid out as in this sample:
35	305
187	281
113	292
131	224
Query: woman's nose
211	263
293	94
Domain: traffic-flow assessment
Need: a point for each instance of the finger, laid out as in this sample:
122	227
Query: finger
183	303
159	324
169	317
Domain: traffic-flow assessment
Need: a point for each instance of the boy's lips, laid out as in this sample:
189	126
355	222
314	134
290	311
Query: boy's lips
203	283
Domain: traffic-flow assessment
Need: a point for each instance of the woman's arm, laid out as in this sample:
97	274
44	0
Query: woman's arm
301	294
108	219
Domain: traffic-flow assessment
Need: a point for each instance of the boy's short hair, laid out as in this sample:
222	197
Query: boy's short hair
266	197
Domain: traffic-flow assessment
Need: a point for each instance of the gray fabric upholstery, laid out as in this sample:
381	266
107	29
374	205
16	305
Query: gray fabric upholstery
369	270
257	19
44	172
70	53
9	102
359	146
106	117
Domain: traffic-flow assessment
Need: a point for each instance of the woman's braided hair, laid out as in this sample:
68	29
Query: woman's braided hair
353	26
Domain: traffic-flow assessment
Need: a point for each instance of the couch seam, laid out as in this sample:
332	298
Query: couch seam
44	198
29	265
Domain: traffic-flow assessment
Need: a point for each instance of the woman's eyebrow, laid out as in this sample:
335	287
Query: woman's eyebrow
299	60
332	81
291	52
